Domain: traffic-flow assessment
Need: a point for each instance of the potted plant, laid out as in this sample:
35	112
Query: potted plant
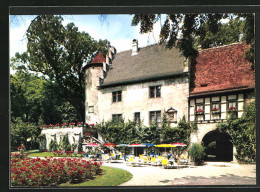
197	153
232	109
215	110
64	124
199	111
79	124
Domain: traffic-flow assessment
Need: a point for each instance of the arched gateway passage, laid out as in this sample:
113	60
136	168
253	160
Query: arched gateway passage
218	146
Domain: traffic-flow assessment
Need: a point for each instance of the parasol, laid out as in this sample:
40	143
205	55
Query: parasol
165	146
109	144
92	145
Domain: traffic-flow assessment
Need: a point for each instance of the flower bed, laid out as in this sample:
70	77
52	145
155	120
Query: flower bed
51	171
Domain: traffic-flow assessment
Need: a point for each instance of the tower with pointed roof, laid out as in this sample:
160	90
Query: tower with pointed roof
93	74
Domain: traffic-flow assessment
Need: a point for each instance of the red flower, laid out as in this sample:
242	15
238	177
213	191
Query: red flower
215	109
232	108
87	134
57	124
20	147
64	124
199	111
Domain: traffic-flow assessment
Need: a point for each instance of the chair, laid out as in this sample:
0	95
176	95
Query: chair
153	161
131	161
165	163
158	161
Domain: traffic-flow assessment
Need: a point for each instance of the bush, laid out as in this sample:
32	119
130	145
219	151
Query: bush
243	133
50	171
197	153
53	145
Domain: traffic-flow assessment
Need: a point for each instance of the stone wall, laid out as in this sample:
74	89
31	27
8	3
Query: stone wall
135	98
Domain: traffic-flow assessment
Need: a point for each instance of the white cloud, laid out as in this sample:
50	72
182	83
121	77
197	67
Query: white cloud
17	37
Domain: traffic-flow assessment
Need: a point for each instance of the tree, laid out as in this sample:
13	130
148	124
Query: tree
59	53
20	131
27	92
33	100
228	33
182	30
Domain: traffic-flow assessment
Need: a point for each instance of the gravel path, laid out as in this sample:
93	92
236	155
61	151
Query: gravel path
212	173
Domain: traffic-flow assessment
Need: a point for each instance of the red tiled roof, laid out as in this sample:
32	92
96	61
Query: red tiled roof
221	68
99	58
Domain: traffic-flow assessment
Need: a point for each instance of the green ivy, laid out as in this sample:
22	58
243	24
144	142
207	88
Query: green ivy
243	133
122	131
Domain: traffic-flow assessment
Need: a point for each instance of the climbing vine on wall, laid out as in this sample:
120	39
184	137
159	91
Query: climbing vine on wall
243	133
122	131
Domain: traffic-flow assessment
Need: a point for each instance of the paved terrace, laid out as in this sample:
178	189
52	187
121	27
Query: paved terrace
212	173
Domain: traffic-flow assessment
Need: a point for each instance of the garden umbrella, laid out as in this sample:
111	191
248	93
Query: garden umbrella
165	146
136	145
109	144
92	145
179	145
147	145
122	145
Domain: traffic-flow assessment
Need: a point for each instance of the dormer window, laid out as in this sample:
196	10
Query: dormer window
116	96
155	91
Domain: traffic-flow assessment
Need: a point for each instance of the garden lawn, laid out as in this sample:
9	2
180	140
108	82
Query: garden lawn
47	154
110	177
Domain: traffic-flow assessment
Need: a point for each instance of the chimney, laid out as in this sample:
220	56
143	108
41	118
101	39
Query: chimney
134	47
199	48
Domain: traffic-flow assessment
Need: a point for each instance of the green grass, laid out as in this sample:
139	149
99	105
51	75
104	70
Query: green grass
36	153
110	177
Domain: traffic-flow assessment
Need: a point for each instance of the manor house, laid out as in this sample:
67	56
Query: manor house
144	83
141	84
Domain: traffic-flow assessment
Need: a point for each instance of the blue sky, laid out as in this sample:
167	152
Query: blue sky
116	28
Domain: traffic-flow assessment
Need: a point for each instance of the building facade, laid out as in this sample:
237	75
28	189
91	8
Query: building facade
144	83
222	83
140	84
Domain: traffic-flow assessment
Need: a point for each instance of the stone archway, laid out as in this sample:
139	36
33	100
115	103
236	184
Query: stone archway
218	146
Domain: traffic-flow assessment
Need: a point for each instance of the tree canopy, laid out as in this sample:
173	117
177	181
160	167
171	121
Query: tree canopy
187	30
59	53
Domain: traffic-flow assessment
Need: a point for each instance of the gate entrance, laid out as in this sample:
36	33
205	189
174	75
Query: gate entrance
218	146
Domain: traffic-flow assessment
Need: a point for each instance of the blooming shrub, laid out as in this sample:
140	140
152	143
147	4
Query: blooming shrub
21	147
51	171
64	124
58	153
82	153
69	153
